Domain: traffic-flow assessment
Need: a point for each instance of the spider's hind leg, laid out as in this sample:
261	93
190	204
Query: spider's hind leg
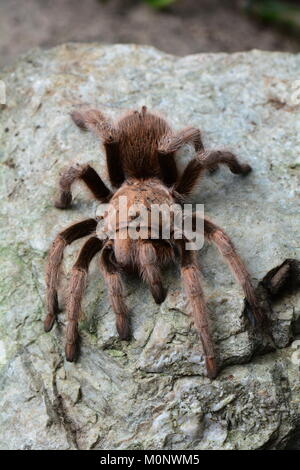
95	121
213	158
64	238
174	142
169	144
89	176
208	161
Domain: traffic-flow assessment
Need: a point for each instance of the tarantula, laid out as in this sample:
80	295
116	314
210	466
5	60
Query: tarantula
141	161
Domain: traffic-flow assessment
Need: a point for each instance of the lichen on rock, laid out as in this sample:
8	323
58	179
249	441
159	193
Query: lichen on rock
151	392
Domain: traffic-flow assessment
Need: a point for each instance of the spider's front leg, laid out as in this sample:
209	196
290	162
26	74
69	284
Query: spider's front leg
75	294
190	274
225	246
86	174
149	269
112	277
55	257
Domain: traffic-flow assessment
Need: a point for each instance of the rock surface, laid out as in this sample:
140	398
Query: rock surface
150	392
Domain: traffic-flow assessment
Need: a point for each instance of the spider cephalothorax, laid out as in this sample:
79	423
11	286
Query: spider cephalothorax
141	161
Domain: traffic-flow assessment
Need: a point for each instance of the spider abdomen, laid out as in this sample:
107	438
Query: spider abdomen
140	134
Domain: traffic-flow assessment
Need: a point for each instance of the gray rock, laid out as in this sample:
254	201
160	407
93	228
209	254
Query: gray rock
150	392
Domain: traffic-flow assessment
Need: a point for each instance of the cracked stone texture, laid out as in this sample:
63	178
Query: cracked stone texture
150	392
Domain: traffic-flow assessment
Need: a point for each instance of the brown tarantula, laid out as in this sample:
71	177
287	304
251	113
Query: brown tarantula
140	156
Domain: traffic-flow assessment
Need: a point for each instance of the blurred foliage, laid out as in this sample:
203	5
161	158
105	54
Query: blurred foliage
278	13
153	3
159	3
